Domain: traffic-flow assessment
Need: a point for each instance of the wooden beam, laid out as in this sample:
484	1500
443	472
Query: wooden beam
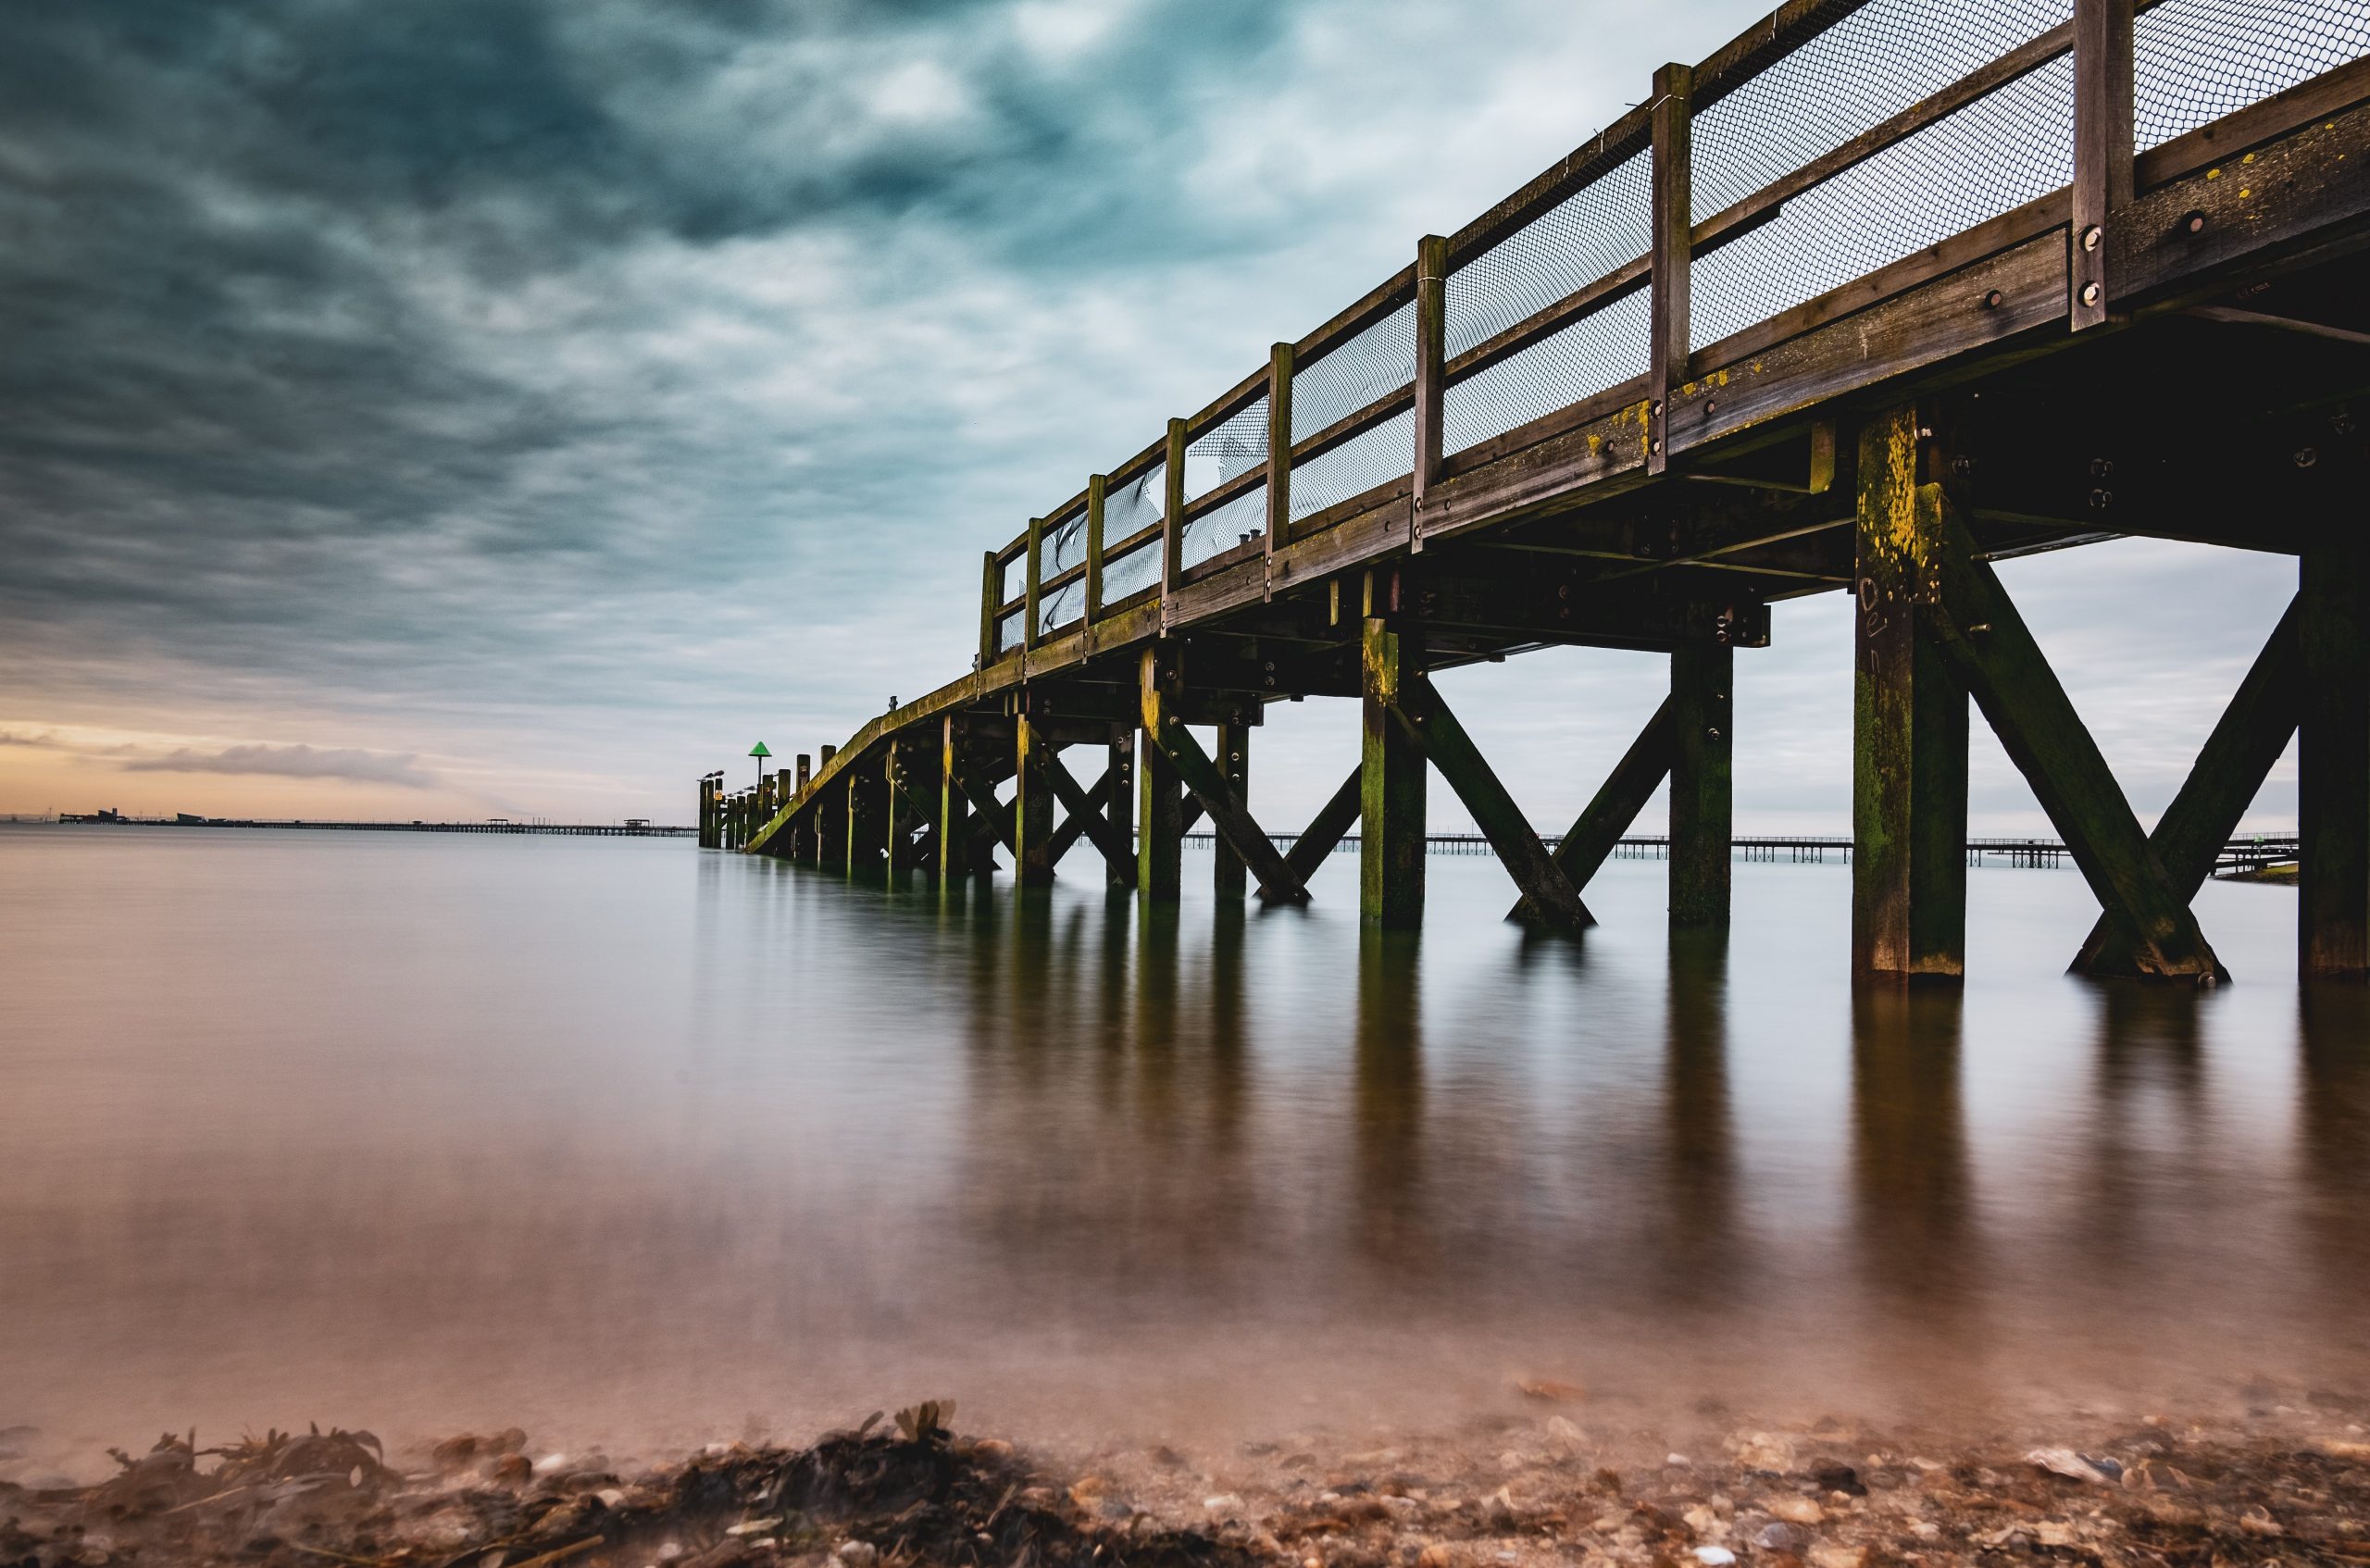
1986	643
2104	163
1673	227
1280	464
1122	807
1032	590
1702	677
1430	723
1909	731
1333	819
2333	758
1032	831
1230	872
1167	736
1160	796
1172	520
991	595
1072	827
1097	491
954	822
1431	337
1615	805
2247	741
1391	839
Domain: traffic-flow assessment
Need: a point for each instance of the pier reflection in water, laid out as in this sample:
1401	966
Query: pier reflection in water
630	1142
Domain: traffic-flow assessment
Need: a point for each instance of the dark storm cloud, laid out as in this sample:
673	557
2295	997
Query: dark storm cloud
293	762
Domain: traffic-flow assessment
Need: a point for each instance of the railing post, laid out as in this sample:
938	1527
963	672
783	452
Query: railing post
1036	577
1674	222
2102	150
991	585
1172	519
1279	463
1097	486
1431	349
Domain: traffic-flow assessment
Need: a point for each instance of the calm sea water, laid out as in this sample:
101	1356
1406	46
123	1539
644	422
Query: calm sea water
624	1142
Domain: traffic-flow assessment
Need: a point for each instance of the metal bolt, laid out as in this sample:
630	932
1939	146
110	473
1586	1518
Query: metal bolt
2341	422
2307	457
1962	466
2101	466
2089	293
1711	405
1994	299
2102	499
2091	236
2194	223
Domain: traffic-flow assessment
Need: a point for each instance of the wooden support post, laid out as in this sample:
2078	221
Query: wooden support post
1431	357
867	803
703	811
1336	817
2104	167
2333	761
1703	679
990	591
2248	740
802	839
953	807
831	818
1120	807
1231	876
1434	727
1280	464
1097	489
1033	583
1987	645
1391	783
1613	807
1165	736
1032	819
1160	797
1172	519
1910	732
1673	234
903	811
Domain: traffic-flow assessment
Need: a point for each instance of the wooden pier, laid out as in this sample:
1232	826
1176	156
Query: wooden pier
1882	292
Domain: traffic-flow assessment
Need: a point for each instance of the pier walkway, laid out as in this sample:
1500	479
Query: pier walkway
1879	293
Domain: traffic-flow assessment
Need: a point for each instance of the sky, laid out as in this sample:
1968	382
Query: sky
467	407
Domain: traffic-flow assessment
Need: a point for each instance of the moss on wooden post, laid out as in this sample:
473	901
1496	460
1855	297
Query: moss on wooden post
1391	783
1703	679
1160	797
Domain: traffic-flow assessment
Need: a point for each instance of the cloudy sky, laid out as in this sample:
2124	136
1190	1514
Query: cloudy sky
457	407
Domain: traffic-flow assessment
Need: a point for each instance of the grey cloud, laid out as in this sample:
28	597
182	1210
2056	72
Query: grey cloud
294	762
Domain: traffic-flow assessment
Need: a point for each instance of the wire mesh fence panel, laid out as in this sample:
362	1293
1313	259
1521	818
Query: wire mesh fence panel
1604	225
2197	60
1995	154
1366	460
1595	352
1057	607
1233	446
1871	65
1243	517
1065	544
1380	359
1134	506
1131	573
1008	630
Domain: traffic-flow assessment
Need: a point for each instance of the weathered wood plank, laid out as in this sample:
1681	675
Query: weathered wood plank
1667	340
1430	383
2102	154
1230	872
1615	805
1160	795
2333	757
1702	678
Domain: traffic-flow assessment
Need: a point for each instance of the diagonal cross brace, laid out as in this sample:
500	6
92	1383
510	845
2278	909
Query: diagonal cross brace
1987	645
1614	806
1329	828
2247	741
1228	815
1085	815
1546	891
989	814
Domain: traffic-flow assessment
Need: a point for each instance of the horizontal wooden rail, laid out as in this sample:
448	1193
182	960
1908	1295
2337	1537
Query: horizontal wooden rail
1225	491
1581	303
1353	424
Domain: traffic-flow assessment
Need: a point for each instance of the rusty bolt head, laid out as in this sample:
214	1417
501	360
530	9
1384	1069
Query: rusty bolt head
1711	405
1993	299
2093	236
2194	223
